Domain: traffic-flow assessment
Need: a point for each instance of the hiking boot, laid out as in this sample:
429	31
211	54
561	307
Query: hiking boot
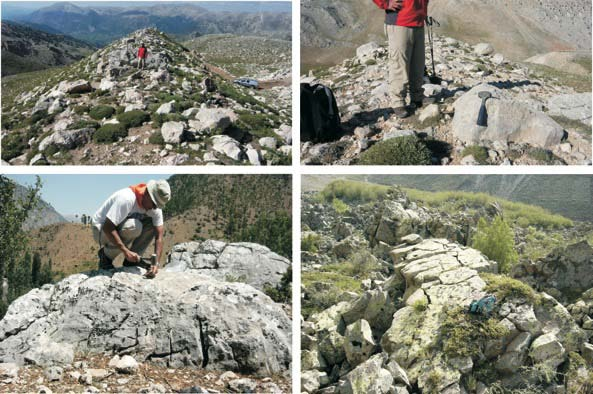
105	263
423	102
128	263
401	112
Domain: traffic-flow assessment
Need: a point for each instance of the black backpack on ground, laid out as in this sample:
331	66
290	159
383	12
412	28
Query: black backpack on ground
320	118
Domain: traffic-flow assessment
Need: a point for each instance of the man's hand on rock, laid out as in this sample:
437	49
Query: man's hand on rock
132	256
395	5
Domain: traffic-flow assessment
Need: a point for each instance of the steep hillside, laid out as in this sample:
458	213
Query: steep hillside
25	49
102	25
567	195
518	29
104	110
44	215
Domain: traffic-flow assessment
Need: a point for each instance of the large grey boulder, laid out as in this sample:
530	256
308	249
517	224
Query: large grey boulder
210	119
68	139
572	106
172	132
166	108
367	50
508	120
79	86
176	319
546	349
247	262
227	146
359	343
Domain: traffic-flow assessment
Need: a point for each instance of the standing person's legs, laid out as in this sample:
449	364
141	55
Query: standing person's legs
417	63
400	51
143	62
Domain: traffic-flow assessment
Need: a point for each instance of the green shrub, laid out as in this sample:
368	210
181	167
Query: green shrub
283	292
340	206
81	109
310	243
542	155
260	125
503	287
370	62
463	334
159	119
420	305
101	112
479	153
83	124
497	241
352	191
110	133
36	117
156	138
120	109
400	151
13	145
133	118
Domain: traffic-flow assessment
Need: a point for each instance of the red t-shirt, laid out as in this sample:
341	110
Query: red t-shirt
142	53
412	14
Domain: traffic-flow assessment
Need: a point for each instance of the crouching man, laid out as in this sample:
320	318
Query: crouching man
127	223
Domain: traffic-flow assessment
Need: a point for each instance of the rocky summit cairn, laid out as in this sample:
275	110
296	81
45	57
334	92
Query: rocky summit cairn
533	118
246	262
105	110
177	319
411	332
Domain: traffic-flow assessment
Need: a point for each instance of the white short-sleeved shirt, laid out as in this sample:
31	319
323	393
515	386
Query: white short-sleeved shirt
121	205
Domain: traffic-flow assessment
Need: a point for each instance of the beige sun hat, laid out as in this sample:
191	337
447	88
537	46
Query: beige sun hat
159	191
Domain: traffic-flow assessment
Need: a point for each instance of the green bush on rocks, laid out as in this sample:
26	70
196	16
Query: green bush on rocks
83	124
133	118
399	151
101	112
156	138
81	109
110	133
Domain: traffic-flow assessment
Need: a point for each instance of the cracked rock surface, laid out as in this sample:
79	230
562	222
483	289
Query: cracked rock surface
175	320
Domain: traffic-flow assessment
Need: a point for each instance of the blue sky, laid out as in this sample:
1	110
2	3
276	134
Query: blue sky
77	194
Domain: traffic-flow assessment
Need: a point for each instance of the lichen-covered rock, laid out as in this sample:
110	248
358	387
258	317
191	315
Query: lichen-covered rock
368	377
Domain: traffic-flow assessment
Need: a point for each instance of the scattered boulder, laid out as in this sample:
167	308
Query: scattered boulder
227	146
172	132
572	106
508	120
67	139
79	86
483	49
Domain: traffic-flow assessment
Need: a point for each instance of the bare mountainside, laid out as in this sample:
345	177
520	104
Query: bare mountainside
518	29
26	49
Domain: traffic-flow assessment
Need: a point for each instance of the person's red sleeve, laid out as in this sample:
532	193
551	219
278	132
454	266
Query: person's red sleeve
383	4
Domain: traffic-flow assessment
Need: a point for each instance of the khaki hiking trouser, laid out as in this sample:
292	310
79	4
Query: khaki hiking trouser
132	231
406	63
141	62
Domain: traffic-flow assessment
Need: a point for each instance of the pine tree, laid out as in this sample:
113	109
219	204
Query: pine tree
35	270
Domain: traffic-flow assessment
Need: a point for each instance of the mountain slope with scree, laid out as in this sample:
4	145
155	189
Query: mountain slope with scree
175	111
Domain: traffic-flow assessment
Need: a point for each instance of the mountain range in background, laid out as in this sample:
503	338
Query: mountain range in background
100	25
518	29
568	195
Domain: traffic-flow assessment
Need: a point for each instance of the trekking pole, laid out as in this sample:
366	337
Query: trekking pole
429	22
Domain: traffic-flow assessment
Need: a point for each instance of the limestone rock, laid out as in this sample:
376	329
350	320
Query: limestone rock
359	342
173	320
483	49
251	263
211	119
572	106
68	139
166	108
369	377
548	350
172	132
227	146
79	86
508	120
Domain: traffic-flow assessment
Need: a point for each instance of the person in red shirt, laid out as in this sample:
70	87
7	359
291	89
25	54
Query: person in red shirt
404	23
142	53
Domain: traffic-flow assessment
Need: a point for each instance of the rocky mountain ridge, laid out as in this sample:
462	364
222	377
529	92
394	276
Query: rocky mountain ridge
44	215
174	111
26	49
534	117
